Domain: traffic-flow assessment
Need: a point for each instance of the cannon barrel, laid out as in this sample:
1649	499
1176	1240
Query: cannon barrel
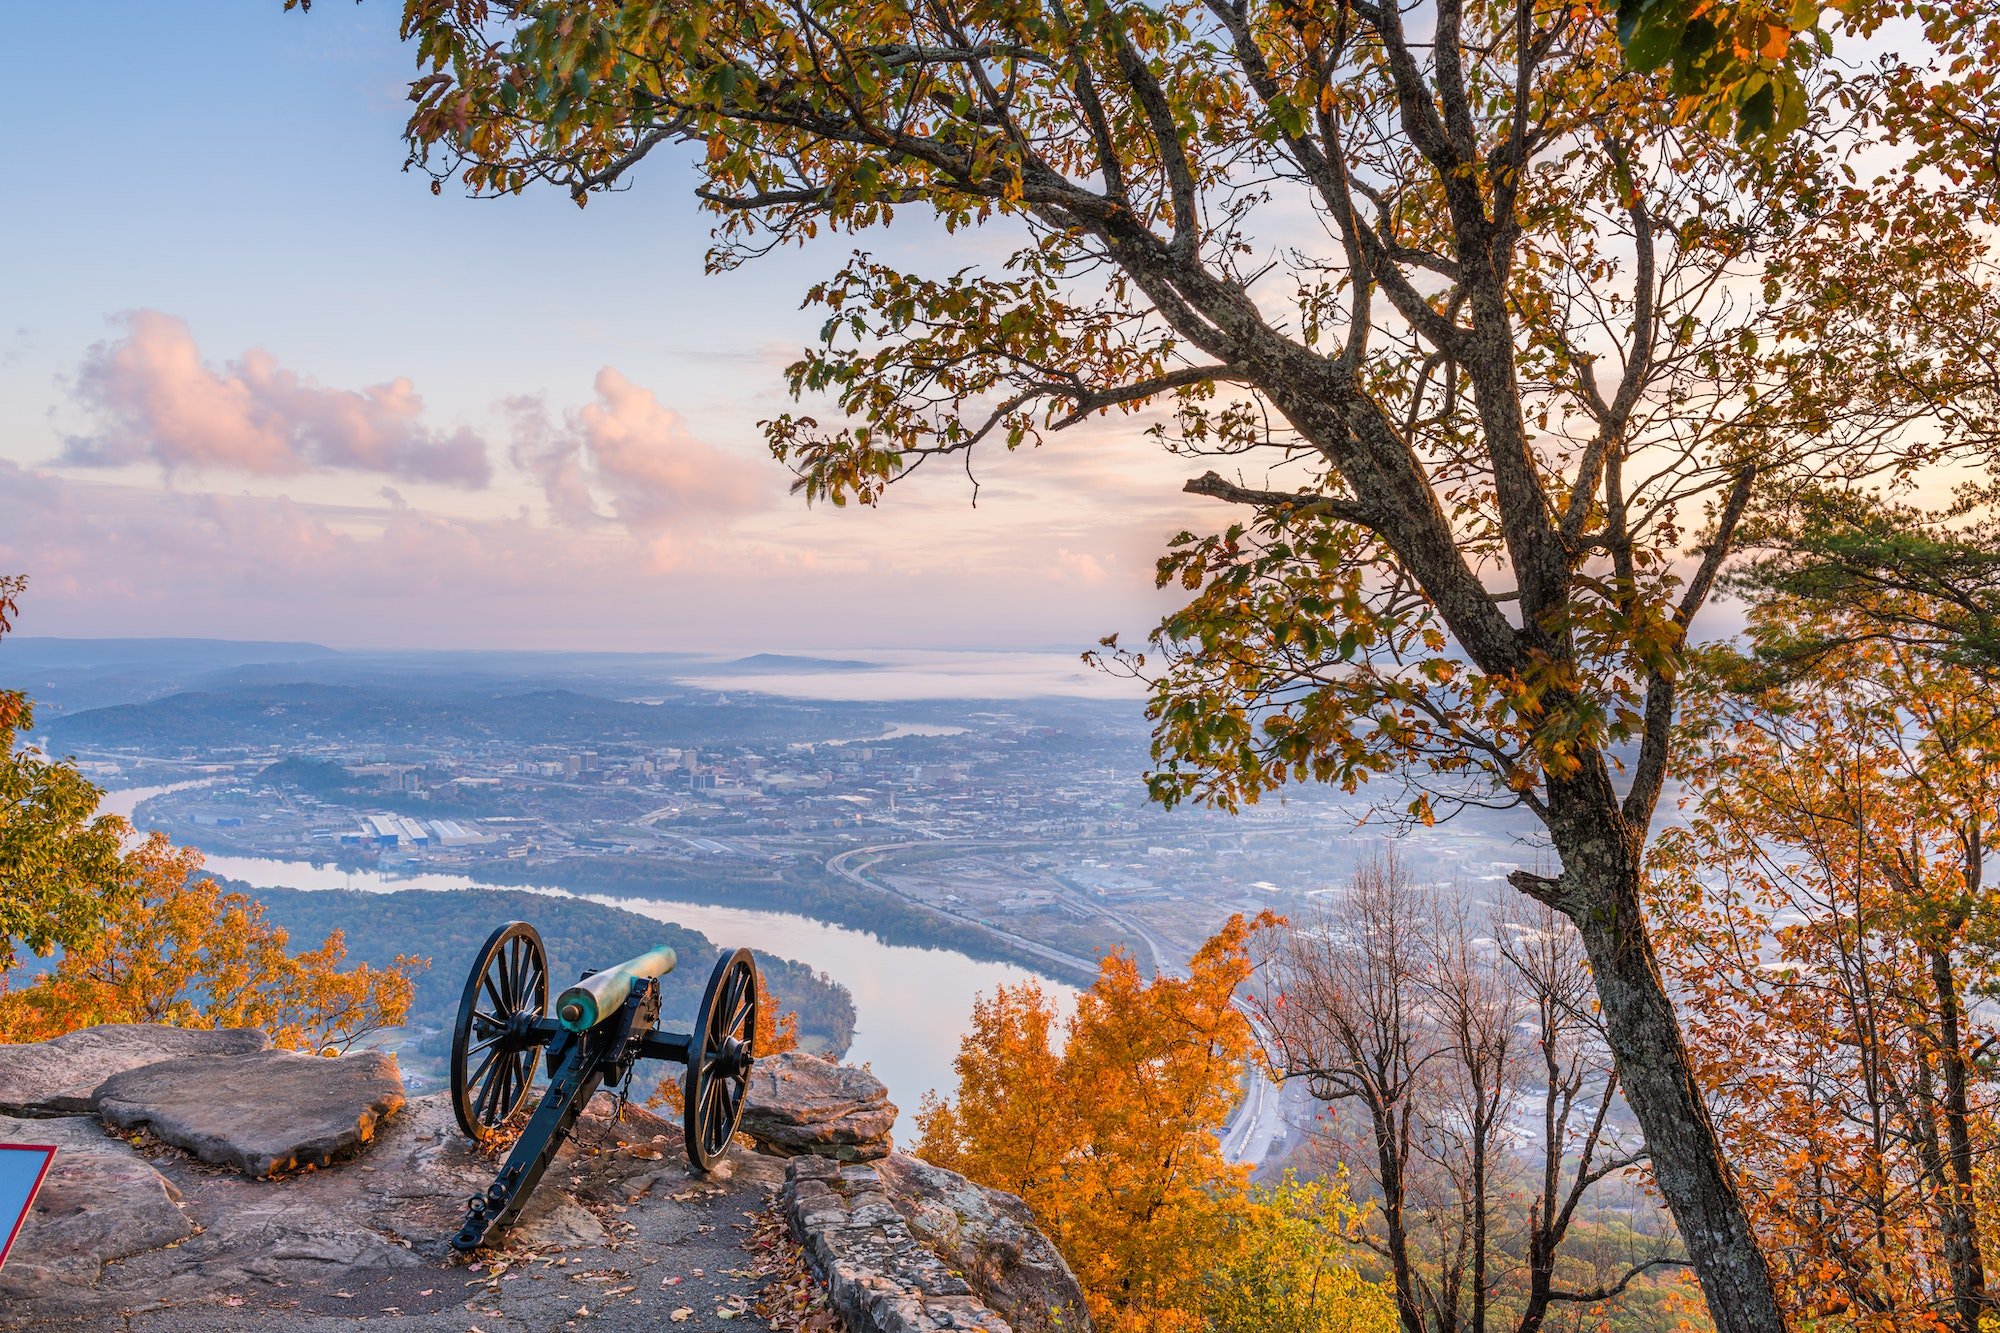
599	995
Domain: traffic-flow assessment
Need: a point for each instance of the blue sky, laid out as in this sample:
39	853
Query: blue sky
236	340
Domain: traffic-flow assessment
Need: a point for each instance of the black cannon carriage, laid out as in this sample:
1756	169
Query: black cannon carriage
598	1032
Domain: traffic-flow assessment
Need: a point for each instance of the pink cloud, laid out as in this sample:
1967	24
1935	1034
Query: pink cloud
157	400
628	458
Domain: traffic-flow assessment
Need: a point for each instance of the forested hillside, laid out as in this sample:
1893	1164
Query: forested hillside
301	711
449	927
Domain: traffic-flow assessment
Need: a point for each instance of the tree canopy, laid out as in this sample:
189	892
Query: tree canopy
1108	1125
61	863
1828	911
180	950
1499	342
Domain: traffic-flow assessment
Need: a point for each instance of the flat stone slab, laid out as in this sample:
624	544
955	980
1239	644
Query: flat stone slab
61	1076
800	1105
262	1113
101	1203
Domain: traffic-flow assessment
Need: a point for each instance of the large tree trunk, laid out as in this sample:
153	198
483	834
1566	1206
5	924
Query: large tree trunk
1599	891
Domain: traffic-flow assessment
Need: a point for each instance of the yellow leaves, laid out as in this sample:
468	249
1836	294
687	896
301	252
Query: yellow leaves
1287	1262
183	952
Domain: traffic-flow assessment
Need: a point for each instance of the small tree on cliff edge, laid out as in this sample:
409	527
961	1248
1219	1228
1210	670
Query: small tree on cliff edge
62	866
1486	328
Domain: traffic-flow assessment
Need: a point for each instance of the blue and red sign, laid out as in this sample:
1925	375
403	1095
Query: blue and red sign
23	1166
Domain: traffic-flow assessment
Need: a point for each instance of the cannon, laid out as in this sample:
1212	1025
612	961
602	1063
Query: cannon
599	1031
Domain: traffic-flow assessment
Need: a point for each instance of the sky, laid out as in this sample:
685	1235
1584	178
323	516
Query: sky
257	382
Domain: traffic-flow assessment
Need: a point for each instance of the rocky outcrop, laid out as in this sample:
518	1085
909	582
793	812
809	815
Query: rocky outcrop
102	1202
990	1237
62	1076
262	1113
802	1105
907	1246
880	1277
132	1230
120	1231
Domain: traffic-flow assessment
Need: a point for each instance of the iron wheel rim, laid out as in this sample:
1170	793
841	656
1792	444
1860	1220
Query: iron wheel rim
721	1051
494	1050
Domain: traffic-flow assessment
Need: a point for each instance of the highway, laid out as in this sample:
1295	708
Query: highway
1257	1125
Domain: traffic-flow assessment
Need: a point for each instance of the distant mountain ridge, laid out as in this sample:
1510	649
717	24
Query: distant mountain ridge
19	651
300	711
758	662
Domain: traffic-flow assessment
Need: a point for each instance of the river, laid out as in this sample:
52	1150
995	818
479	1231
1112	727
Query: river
911	1005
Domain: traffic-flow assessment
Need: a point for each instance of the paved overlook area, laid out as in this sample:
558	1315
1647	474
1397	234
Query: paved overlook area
206	1182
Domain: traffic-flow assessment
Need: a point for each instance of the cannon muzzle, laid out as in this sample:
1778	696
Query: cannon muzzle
591	1000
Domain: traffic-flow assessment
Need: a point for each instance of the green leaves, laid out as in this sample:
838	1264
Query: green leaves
928	367
62	867
1731	60
1895	572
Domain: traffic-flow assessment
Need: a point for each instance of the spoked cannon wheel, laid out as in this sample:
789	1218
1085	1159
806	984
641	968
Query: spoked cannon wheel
494	1048
720	1052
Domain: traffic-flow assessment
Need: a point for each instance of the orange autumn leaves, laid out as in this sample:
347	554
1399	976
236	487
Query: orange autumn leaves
59	858
145	939
1106	1124
1826	914
182	951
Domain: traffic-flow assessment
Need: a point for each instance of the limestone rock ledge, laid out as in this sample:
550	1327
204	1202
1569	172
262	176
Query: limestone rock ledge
990	1237
801	1105
907	1247
262	1113
138	1231
61	1076
117	1231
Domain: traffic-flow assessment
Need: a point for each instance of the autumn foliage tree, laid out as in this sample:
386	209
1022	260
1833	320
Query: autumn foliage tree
1108	1123
1751	65
182	951
1285	1263
60	861
1498	343
1425	1027
1741	63
143	937
1831	919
